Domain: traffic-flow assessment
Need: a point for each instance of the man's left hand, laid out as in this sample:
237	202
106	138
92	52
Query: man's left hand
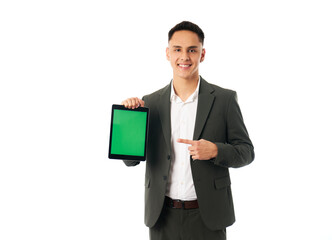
201	149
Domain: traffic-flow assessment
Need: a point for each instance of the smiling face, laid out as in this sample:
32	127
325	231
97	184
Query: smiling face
185	52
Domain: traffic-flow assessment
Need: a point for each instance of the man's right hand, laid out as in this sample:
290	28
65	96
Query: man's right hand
133	103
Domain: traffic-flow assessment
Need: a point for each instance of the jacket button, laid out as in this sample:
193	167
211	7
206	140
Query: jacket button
169	157
165	178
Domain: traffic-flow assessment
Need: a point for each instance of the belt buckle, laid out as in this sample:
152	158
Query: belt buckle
178	201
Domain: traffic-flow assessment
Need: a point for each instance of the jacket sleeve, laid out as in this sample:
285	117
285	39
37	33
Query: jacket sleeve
238	150
131	163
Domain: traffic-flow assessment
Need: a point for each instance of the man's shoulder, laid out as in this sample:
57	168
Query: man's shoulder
219	91
157	93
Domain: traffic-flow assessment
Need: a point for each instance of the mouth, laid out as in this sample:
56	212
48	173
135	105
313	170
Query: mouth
184	65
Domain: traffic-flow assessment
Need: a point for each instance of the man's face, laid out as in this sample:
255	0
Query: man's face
185	52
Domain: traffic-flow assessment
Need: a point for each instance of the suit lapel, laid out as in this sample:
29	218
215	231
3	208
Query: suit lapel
165	114
205	102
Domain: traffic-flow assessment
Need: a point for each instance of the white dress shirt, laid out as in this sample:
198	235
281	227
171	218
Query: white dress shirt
180	183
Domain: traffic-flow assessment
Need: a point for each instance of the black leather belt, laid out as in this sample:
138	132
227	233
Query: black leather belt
181	204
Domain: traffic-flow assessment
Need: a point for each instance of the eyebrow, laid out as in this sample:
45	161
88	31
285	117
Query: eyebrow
181	47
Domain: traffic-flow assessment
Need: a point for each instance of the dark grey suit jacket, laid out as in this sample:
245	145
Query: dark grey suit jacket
218	120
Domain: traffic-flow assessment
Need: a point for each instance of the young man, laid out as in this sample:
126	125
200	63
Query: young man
196	133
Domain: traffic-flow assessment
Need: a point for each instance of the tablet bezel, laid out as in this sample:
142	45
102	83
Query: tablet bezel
129	157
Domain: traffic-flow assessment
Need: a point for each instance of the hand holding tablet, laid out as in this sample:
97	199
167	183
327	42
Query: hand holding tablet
133	103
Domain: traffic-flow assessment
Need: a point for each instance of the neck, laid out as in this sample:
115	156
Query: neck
185	87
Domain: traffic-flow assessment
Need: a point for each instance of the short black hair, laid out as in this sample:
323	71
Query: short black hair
186	25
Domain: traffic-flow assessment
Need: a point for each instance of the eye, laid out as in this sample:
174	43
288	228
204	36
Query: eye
177	50
192	50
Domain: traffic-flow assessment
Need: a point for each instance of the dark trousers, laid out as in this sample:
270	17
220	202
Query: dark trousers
183	224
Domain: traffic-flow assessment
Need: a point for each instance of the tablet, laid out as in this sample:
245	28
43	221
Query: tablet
129	131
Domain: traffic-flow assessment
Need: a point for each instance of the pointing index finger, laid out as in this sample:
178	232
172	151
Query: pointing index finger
186	141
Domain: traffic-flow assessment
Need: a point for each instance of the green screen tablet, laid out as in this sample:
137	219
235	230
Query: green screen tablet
129	128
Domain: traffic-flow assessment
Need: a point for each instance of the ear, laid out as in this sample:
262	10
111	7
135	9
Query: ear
167	54
202	55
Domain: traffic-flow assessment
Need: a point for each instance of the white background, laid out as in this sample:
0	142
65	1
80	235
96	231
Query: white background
64	63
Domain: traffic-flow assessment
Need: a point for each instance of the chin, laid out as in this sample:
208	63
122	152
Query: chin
186	76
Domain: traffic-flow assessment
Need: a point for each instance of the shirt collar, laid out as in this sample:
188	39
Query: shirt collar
191	98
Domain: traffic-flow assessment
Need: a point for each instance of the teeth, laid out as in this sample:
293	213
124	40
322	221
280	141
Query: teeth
181	65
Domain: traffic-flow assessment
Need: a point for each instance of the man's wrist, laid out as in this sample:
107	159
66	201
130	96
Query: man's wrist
214	151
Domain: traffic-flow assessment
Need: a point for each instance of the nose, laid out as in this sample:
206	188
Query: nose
184	56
